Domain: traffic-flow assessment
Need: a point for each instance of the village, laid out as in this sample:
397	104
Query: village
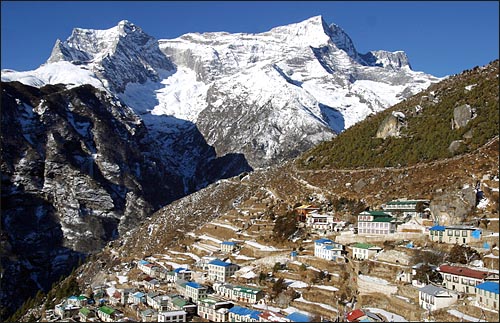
230	271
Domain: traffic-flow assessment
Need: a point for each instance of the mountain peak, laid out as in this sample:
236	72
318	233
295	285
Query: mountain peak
125	27
312	31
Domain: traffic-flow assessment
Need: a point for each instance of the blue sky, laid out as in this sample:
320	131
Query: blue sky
440	38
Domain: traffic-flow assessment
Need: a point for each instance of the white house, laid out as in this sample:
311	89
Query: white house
243	314
487	295
376	222
214	309
219	270
462	234
172	316
361	251
146	267
463	279
405	207
431	297
327	249
228	246
106	314
195	291
178	273
320	221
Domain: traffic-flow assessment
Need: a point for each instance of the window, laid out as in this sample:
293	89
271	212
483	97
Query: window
464	233
449	232
457	233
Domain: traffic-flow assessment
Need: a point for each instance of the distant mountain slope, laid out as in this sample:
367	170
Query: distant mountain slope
454	116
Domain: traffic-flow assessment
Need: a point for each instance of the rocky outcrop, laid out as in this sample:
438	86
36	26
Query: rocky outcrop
453	207
391	125
462	115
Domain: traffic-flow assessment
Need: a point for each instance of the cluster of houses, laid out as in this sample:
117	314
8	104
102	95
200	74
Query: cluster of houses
221	301
218	302
460	282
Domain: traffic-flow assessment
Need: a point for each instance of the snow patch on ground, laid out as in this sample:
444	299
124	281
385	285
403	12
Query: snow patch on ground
325	306
373	279
464	316
261	247
392	317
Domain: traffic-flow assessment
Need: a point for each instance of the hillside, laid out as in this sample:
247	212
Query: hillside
254	208
454	116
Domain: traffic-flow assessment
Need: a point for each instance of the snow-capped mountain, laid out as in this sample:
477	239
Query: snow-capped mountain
268	96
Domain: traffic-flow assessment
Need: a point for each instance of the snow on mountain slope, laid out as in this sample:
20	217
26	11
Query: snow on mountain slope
269	96
54	73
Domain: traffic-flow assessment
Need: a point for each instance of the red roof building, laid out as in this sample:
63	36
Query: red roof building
464	271
463	279
355	316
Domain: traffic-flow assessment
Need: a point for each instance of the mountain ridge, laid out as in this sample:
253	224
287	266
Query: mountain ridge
195	73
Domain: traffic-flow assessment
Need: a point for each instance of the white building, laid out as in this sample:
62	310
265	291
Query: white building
327	249
317	221
172	316
361	251
195	291
405	207
463	279
219	270
487	295
376	222
228	246
432	297
214	309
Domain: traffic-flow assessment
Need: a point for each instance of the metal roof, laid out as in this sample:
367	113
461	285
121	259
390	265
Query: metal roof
489	286
464	271
194	285
243	311
218	262
323	240
248	290
298	317
435	290
106	310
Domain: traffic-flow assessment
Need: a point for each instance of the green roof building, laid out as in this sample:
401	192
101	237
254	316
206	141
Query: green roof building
376	223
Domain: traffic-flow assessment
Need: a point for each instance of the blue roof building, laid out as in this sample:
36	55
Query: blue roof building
323	241
237	312
487	295
143	262
179	269
298	317
229	243
216	274
218	262
327	249
193	285
489	286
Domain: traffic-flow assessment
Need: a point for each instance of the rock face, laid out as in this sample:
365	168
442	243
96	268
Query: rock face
79	169
462	115
121	55
452	207
391	126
